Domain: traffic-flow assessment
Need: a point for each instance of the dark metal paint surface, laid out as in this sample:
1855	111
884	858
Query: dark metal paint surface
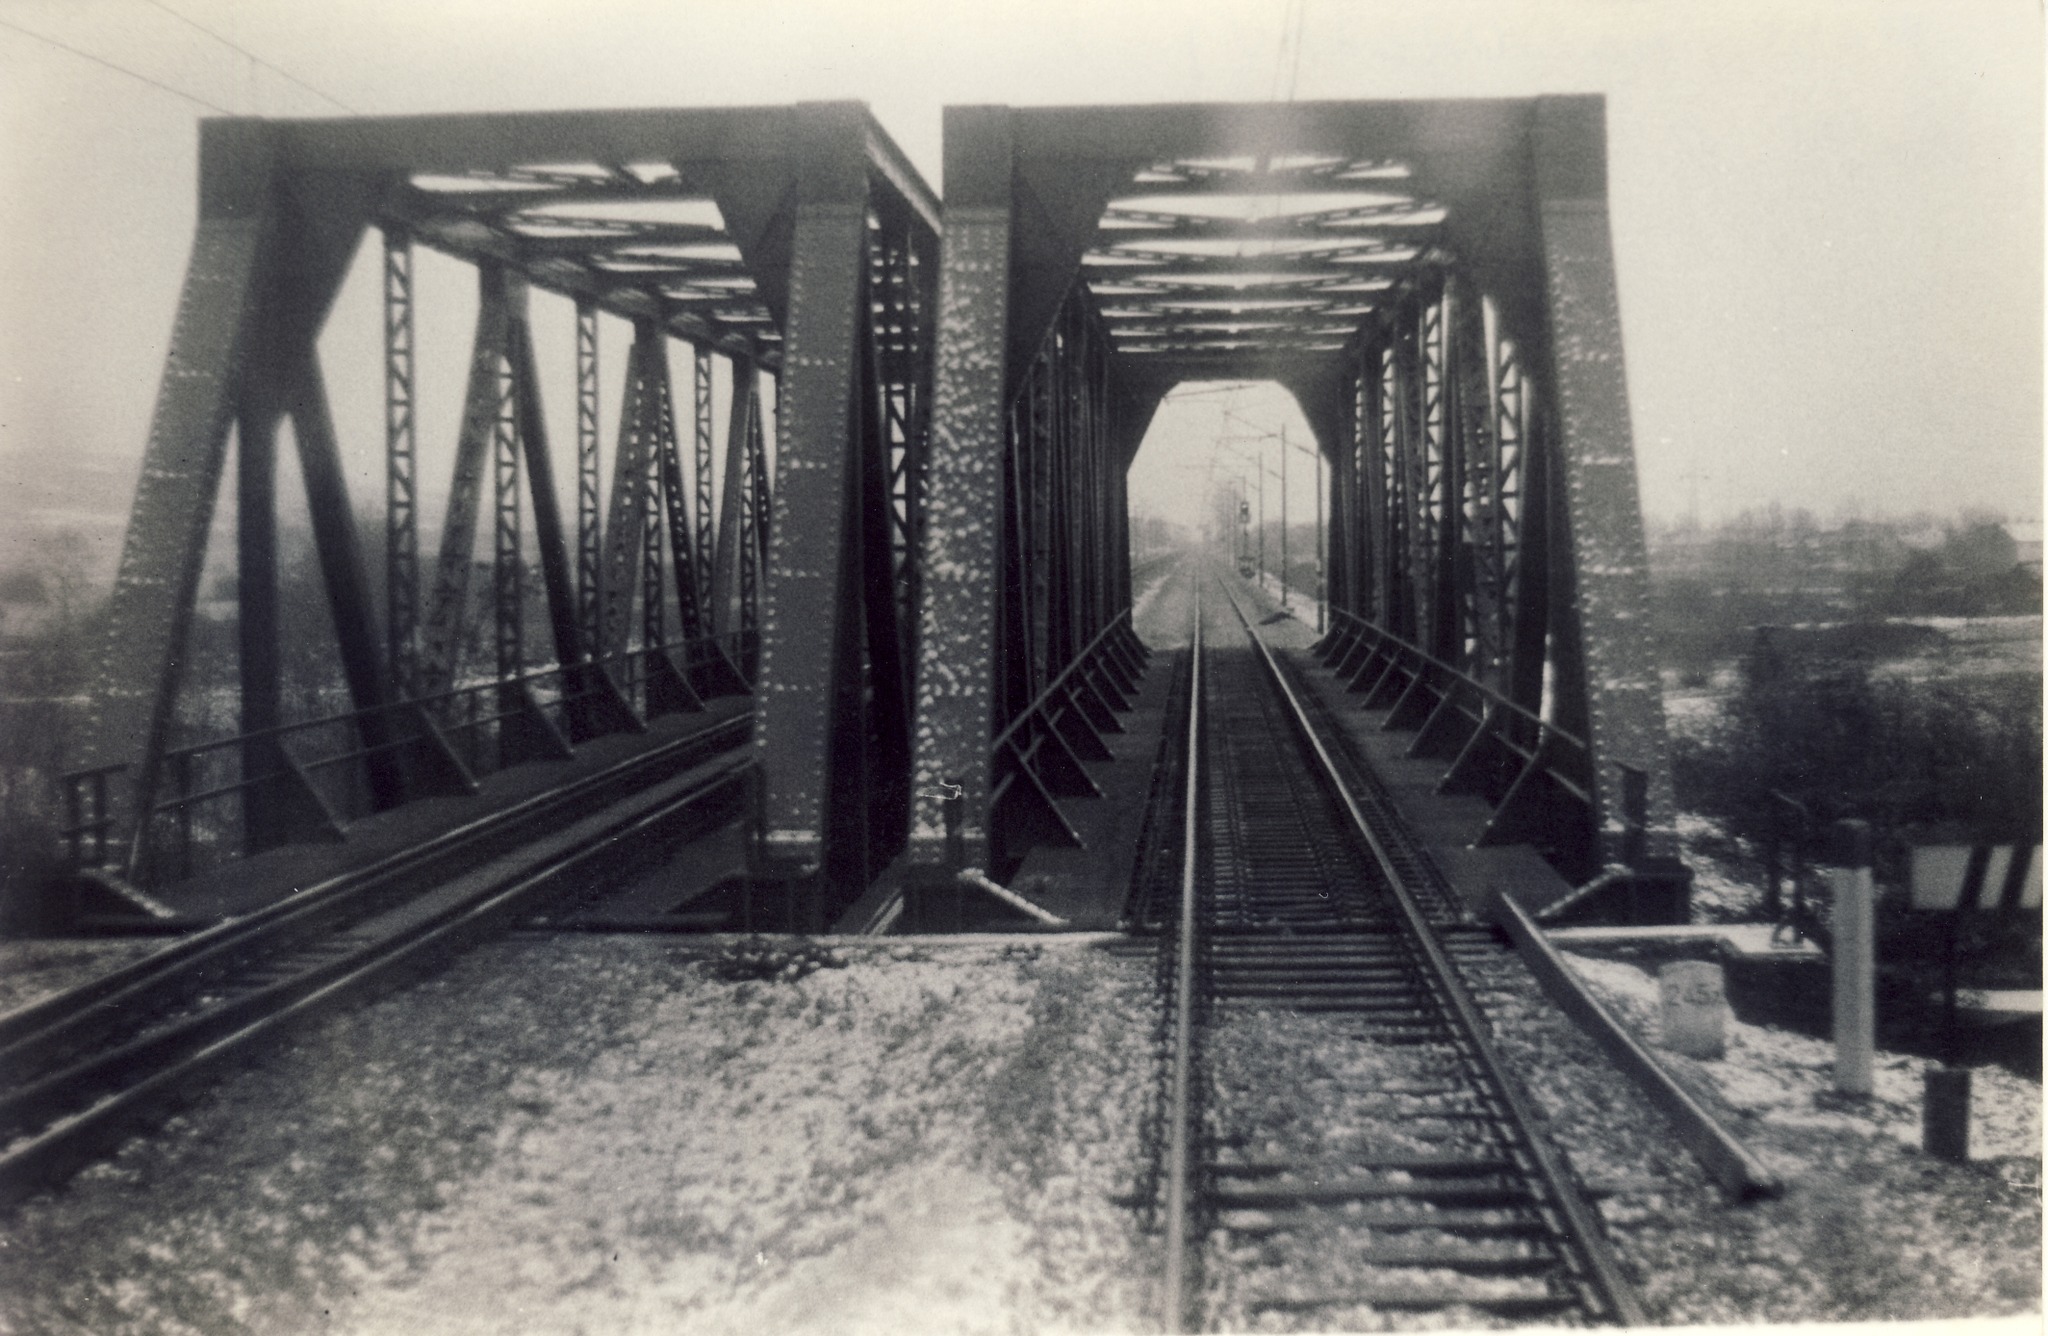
804	620
136	681
1624	698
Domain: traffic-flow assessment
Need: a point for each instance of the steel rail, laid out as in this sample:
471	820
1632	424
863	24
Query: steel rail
1725	1159
132	1082
1580	1229
145	986
1179	1129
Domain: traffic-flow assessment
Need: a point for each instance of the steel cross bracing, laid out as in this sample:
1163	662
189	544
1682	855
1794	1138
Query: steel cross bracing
401	495
744	232
1432	280
589	493
1434	283
703	444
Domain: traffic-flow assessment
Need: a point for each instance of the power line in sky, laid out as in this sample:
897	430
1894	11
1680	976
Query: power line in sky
118	69
236	46
1300	25
1287	64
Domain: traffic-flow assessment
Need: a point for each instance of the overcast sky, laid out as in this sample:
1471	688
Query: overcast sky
1827	216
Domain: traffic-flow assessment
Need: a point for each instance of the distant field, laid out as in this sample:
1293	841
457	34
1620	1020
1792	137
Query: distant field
1953	649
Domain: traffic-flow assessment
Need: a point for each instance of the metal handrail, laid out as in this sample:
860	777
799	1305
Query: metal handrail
436	705
1493	695
526	678
1040	701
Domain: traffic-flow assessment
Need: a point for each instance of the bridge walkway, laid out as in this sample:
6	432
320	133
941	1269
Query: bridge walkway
246	884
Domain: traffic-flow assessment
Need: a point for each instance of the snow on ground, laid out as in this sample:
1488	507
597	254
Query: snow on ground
1692	712
1787	1079
37	968
601	1135
1300	602
1867	1226
1143	603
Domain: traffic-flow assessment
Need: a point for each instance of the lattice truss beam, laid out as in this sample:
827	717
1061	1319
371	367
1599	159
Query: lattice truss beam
1434	283
733	235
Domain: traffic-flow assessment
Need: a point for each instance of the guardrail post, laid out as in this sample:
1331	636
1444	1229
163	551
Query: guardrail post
1854	960
1952	880
1945	1114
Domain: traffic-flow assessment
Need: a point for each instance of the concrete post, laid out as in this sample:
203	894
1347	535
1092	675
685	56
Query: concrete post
1855	960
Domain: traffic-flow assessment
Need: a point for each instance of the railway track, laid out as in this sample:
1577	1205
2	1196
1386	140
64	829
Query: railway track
1343	1147
82	1069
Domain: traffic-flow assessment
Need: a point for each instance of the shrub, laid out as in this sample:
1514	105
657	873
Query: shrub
1813	723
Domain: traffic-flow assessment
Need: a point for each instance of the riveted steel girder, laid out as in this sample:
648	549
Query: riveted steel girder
731	228
809	664
1434	283
1610	565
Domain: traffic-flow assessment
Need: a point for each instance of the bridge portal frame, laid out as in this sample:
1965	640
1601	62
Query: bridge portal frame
837	233
1524	186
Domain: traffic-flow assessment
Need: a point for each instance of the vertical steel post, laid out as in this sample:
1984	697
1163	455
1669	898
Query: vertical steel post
589	541
756	533
676	500
1341	534
1405	473
1375	519
448	611
1446	489
1596	455
653	603
401	491
809	635
256	595
725	566
627	511
507	568
1322	577
701	479
1533	564
962	546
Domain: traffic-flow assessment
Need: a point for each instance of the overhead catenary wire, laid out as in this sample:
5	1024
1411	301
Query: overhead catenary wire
279	70
118	69
1294	66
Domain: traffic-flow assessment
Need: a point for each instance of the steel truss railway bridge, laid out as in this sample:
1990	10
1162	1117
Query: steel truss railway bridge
869	466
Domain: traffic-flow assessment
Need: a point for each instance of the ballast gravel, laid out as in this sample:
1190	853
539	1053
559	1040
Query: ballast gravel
34	969
1868	1226
570	1134
600	1135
